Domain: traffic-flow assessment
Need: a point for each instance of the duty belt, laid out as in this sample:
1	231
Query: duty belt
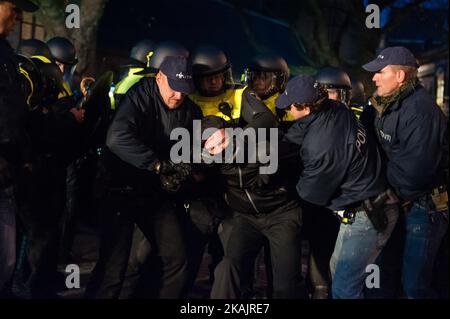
373	207
347	217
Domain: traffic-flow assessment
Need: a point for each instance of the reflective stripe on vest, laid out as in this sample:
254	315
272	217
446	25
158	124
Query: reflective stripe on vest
357	110
27	76
67	91
210	105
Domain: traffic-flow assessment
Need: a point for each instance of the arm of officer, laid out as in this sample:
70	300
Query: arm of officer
255	113
123	136
321	178
12	113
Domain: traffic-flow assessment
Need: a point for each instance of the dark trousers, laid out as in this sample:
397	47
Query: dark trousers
321	228
200	227
7	234
171	236
243	237
41	204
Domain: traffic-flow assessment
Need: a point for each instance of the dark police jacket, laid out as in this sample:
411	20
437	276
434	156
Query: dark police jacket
14	143
140	132
413	132
342	167
248	191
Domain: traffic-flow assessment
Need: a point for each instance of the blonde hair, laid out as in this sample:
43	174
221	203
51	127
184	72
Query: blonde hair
410	71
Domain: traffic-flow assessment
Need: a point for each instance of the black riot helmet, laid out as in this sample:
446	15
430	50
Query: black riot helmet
43	80
63	50
32	47
267	74
335	79
163	50
209	61
140	54
358	94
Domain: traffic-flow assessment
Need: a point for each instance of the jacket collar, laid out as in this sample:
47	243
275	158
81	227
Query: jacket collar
397	104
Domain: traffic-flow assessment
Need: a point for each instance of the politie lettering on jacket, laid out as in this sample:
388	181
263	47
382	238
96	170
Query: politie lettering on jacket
361	138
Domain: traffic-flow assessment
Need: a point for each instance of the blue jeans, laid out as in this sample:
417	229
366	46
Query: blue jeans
7	235
425	229
357	246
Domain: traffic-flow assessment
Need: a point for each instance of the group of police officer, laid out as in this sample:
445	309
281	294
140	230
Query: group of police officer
345	170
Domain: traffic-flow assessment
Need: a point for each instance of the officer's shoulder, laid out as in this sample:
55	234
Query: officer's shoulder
144	87
336	107
140	94
420	102
192	105
239	86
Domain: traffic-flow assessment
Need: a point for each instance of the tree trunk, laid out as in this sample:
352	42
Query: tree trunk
53	17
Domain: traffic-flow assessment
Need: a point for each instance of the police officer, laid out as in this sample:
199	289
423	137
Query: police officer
51	128
70	117
139	153
342	171
31	47
14	144
65	55
359	98
338	86
140	251
139	58
413	133
336	82
153	57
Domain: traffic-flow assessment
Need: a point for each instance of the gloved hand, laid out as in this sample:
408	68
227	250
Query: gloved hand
173	176
166	167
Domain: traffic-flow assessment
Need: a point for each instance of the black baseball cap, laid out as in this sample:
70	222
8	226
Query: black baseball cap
179	74
303	89
392	56
25	5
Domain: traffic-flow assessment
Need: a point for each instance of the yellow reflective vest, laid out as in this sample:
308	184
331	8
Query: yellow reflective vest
210	105
125	84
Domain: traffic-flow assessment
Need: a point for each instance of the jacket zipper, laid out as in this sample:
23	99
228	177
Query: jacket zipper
247	192
251	201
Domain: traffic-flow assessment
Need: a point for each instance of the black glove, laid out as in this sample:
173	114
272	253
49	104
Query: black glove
173	176
5	174
167	167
